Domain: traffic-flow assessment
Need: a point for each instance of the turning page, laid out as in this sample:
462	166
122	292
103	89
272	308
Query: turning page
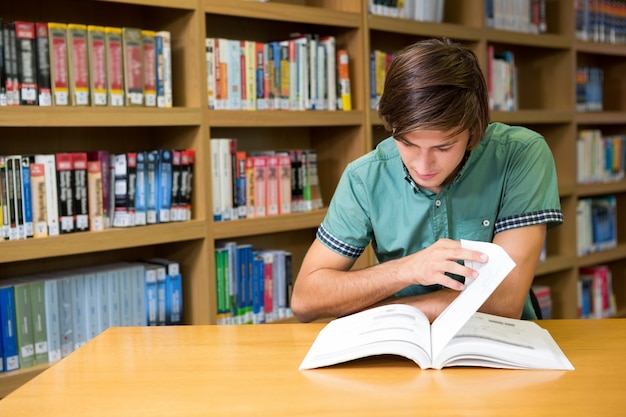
490	275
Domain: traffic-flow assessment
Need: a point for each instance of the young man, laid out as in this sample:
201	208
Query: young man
445	174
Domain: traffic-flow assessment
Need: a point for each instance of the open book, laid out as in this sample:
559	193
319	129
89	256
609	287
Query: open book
460	336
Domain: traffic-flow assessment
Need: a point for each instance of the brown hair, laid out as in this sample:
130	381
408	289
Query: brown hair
435	84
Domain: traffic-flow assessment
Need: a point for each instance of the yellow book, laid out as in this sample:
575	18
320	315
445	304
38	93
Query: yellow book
96	47
78	64
57	38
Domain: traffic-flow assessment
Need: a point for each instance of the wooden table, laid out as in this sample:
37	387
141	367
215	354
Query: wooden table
253	371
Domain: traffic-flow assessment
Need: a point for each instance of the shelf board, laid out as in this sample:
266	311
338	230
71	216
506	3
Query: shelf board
174	4
600	118
110	239
555	264
35	116
283	12
595	189
269	224
599	48
533	116
607	256
429	29
272	118
544	40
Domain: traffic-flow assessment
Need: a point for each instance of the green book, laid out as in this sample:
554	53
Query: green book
38	314
24	326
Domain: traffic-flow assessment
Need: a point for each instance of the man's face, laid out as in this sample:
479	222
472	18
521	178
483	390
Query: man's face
432	157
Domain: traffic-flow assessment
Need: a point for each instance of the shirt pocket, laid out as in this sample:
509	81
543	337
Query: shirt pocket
478	228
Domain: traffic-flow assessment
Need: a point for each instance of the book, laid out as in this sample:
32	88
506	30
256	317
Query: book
80	194
344	95
65	195
132	48
78	64
8	331
460	336
24	323
42	44
59	77
140	189
163	45
52	209
148	40
96	47
11	82
102	156
39	200
94	189
114	65
186	182
26	62
38	313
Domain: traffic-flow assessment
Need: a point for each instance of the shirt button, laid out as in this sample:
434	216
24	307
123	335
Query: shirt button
486	223
438	203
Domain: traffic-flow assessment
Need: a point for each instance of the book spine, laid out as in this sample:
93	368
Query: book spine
140	190
131	186
79	313
8	330
103	158
11	70
24	325
39	200
27	62
210	65
133	66
44	91
148	38
272	186
240	184
78	64
36	292
120	197
152	306
175	208
52	204
152	189
27	197
57	33
3	84
16	201
97	65
114	66
164	59
343	79
94	188
164	180
53	325
187	161
80	194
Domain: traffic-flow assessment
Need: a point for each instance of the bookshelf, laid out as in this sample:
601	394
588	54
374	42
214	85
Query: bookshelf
546	103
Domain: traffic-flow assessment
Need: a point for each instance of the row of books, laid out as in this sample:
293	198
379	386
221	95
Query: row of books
50	194
44	318
305	72
379	62
596	298
262	183
502	80
517	15
253	285
596	225
420	10
61	64
589	95
601	20
600	158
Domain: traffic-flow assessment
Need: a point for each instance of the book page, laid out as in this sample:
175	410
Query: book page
476	291
501	342
395	329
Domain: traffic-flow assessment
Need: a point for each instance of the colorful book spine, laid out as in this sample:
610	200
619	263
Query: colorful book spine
97	64
94	188
27	62
148	40
114	66
164	69
80	195
44	94
78	64
8	330
133	66
39	200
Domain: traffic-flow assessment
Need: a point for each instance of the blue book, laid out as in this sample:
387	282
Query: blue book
164	195
140	190
27	197
151	295
258	286
152	188
8	331
173	290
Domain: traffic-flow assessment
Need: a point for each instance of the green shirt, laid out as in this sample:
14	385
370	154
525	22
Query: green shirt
508	181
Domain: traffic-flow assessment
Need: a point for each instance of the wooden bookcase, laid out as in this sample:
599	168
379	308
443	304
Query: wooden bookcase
546	64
